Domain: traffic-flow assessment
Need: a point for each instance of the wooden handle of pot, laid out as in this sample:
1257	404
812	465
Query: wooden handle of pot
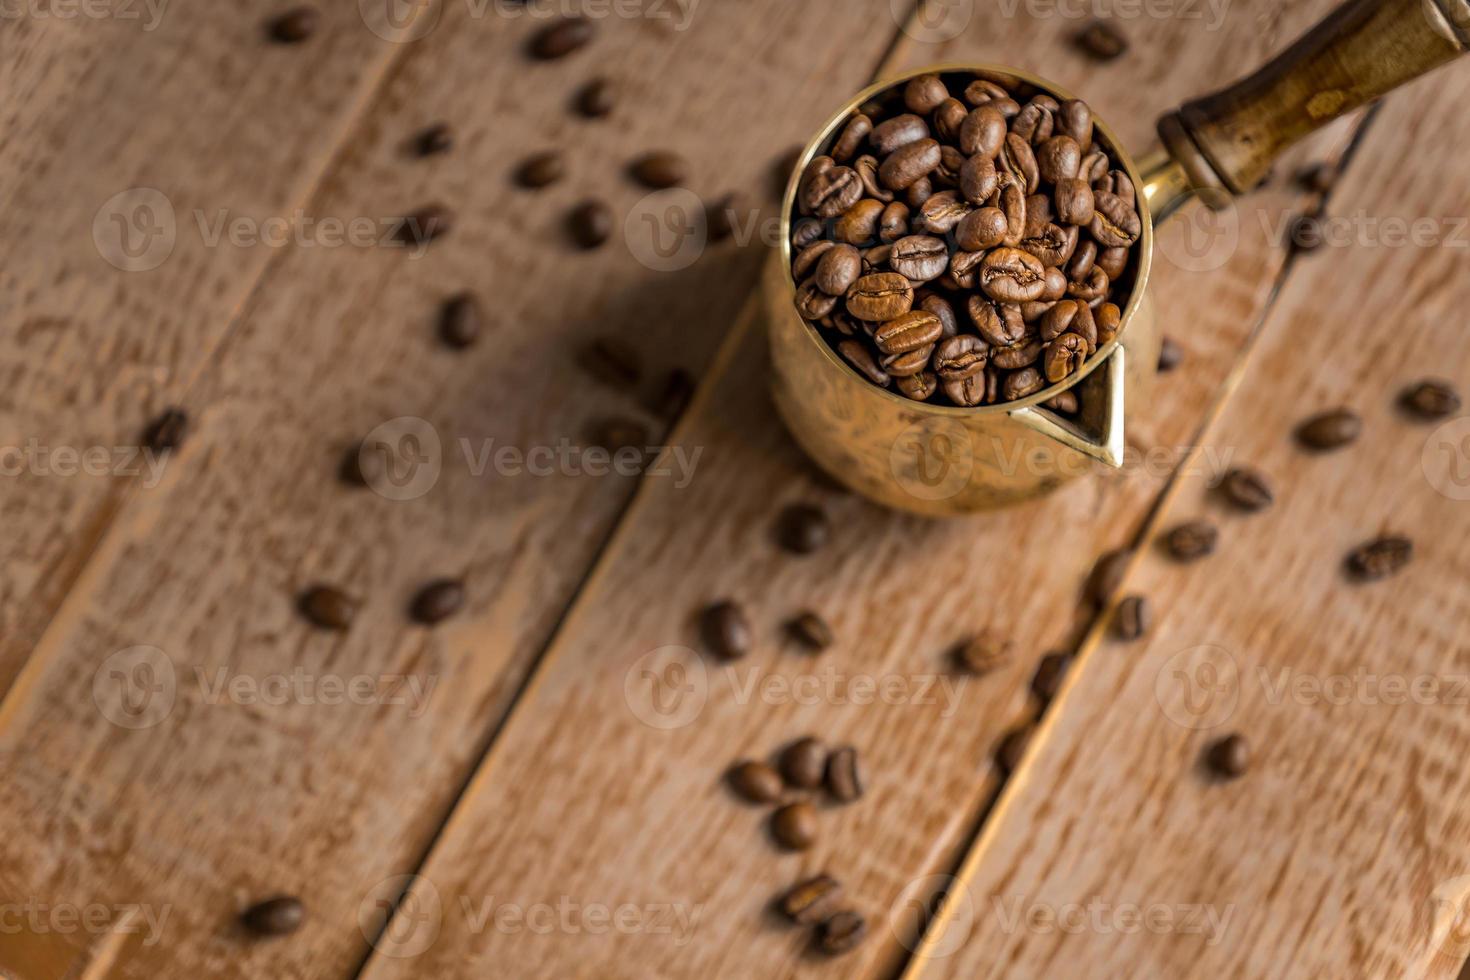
1363	49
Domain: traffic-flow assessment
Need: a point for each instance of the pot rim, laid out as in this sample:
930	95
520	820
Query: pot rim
1145	240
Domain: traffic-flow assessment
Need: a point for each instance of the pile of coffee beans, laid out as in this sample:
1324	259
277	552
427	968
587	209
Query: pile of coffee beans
804	766
965	239
818	902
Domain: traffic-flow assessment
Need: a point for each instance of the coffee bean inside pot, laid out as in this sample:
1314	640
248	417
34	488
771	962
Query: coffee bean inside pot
725	630
279	916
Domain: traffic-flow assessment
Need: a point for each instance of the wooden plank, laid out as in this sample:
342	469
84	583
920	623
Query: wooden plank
330	801
1342	852
590	799
154	112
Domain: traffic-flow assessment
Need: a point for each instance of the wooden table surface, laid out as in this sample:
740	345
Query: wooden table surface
521	782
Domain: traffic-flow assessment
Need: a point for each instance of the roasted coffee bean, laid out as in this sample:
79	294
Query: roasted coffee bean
1230	757
964	270
853	135
660	170
906	364
1102	41
949	119
725	630
562	38
858	225
1430	399
597	98
1115	223
941	213
1058	159
916	196
1010	275
983	133
279	916
924	94
1053	246
294	26
909	331
358	469
844	775
1132	618
794	826
896	133
1075	206
1074	119
755	781
876	258
590	224
999	326
1109	320
805	263
838	269
906	165
1019	160
327	607
863	362
1107	575
980	230
984	652
806	232
812	901
1033	123
674	396
813	302
425	225
811	631
1019	355
832	192
867	171
802	529
1170	355
167	431
1012	749
1012	203
951	161
967	393
1063	356
1038	215
1379	558
1094	166
1305	233
435	139
842	932
893	223
1330	430
1021	384
919	258
1247	490
961	357
940	307
1192	541
1070	316
1049	676
978	179
880	296
1066	403
919	386
1080	264
1112	261
984	90
460	321
437	601
1092	289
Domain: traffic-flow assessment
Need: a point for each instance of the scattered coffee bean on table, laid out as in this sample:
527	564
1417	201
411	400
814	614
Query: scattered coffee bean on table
1329	430
1171	355
355	470
1380	558
1247	490
1305	233
460	321
794	826
435	139
540	170
726	631
591	224
437	601
1192	541
660	170
756	781
1430	399
812	901
279	916
844	931
614	434
294	26
1107	575
597	98
673	398
1132	618
811	631
844	775
1102	41
803	763
327	607
1012	749
1319	178
966	251
431	222
1230	756
613	361
1049	676
802	529
562	38
167	431
984	652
